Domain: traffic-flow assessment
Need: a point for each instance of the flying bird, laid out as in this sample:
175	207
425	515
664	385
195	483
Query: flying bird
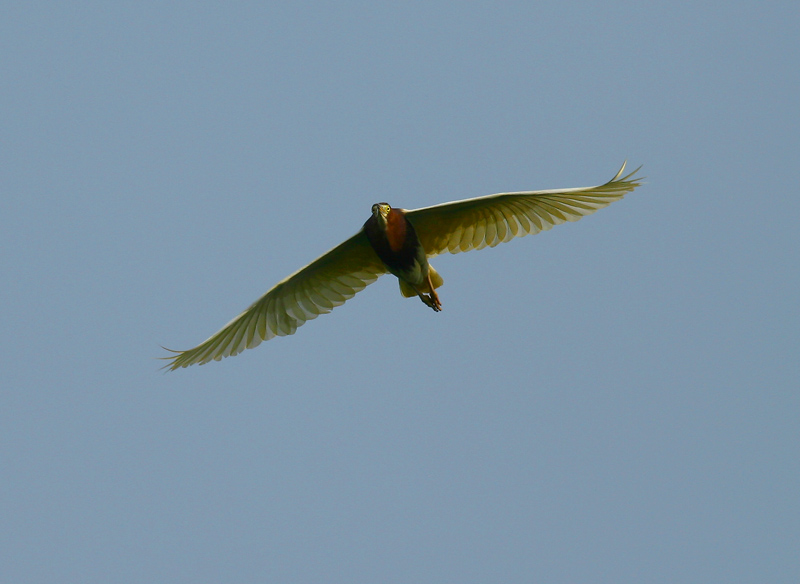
400	242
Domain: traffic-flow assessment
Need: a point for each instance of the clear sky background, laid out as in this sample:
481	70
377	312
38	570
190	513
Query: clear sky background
615	400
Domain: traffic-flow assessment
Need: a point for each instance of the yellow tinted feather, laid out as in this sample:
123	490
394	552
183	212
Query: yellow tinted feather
486	221
316	289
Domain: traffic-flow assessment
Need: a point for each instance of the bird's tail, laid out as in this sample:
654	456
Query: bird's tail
409	291
436	279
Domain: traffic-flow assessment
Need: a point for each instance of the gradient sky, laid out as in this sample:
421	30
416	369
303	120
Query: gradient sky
615	400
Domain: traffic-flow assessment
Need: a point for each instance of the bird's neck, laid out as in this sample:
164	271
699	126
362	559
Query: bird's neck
396	229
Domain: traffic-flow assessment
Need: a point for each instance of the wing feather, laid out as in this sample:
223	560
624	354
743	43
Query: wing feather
339	274
316	289
486	221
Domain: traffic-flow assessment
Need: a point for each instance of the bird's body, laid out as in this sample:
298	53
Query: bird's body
400	242
395	242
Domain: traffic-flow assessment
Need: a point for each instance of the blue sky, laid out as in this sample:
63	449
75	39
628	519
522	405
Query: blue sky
615	400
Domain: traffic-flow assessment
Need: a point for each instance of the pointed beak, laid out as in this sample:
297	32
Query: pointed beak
380	210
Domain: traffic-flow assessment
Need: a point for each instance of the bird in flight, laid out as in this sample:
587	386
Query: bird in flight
400	242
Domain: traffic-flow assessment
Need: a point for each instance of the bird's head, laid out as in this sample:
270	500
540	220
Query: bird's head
381	211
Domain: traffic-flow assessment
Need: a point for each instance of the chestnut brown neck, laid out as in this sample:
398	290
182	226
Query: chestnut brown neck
396	229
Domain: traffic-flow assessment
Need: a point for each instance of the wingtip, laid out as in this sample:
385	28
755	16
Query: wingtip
621	170
627	176
173	359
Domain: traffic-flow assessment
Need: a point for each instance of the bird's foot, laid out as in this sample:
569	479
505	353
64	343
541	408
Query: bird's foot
432	300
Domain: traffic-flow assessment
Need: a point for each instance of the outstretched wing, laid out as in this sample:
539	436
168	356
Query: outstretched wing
486	221
316	289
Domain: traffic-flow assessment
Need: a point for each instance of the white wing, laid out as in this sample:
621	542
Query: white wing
316	289
486	221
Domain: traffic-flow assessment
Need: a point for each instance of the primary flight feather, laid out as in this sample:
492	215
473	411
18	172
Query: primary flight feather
400	242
